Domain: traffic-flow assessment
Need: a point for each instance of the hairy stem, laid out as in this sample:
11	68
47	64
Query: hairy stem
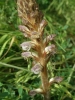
44	74
45	83
47	96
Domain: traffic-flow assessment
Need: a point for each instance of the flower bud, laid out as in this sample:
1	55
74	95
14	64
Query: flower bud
43	23
49	38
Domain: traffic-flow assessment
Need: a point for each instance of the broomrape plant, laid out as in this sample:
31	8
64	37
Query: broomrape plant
38	48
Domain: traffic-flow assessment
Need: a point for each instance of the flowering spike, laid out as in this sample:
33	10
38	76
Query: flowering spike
33	28
28	11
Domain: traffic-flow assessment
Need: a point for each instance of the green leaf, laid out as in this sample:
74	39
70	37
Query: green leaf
3	47
20	90
65	27
1	84
2	39
11	66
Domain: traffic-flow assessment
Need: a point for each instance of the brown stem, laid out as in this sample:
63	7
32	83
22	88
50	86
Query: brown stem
44	74
45	83
47	96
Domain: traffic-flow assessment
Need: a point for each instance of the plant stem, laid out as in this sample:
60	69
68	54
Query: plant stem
47	96
45	83
44	74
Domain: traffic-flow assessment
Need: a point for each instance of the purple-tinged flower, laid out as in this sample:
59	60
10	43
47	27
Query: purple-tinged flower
49	38
32	93
56	79
26	54
34	34
43	23
50	49
36	68
29	54
27	45
35	91
25	30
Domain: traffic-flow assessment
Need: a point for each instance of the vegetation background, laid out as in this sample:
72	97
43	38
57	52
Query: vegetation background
16	79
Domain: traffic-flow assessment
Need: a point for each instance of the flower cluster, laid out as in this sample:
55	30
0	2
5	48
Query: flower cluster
32	27
38	48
